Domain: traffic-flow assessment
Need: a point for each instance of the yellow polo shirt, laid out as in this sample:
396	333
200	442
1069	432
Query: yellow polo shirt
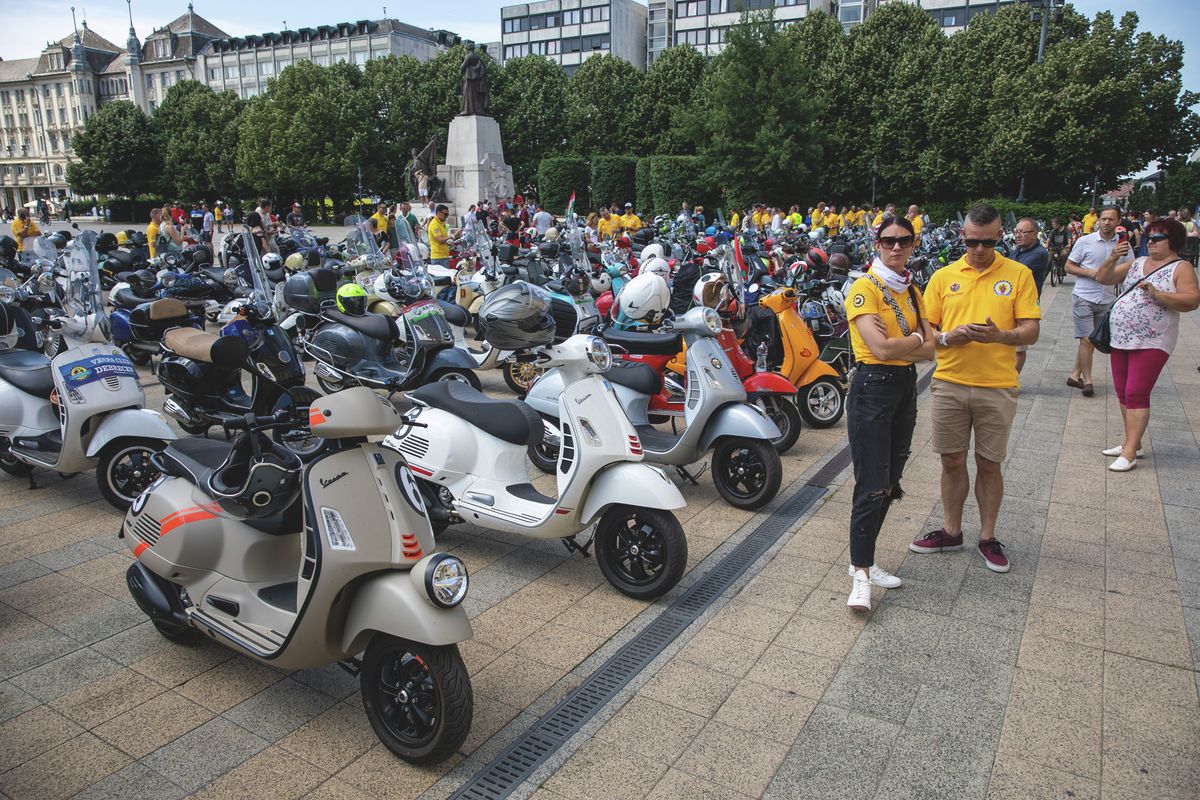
865	298
152	238
1089	222
436	227
959	294
735	219
918	224
878	219
833	223
29	228
631	222
609	228
381	220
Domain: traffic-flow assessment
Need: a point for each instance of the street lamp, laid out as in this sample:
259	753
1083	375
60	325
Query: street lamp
874	171
37	116
1095	181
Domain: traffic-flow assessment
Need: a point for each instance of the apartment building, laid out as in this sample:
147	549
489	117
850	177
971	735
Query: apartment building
569	31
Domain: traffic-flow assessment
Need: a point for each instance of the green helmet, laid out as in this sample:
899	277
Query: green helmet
352	299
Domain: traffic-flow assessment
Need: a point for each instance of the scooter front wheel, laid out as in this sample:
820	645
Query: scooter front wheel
417	697
783	412
746	472
544	453
641	551
520	373
124	470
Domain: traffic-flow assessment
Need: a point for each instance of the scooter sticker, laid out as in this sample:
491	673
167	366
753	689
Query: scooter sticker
94	368
336	532
408	485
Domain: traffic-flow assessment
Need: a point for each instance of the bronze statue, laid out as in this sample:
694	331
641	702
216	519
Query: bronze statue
475	100
424	162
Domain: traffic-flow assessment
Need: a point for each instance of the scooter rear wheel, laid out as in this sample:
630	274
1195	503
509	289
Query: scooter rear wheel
822	402
641	551
746	472
124	470
519	374
417	697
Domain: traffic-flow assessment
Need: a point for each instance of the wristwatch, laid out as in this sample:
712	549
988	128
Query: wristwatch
942	340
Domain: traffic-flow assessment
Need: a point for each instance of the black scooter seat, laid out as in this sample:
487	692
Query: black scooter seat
640	377
455	314
276	275
509	420
126	298
195	459
645	344
27	370
376	326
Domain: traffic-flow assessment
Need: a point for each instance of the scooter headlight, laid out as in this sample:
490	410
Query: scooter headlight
446	580
712	320
599	354
7	294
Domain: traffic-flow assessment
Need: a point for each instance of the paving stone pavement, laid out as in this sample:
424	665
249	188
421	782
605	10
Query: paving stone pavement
1074	675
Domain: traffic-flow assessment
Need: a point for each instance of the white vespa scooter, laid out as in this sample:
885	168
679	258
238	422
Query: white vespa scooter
474	471
83	409
301	566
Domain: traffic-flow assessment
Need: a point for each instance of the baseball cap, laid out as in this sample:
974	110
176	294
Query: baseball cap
629	205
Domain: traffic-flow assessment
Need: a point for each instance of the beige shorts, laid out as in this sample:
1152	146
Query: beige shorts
960	410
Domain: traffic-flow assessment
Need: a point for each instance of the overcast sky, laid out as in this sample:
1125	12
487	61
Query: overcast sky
30	23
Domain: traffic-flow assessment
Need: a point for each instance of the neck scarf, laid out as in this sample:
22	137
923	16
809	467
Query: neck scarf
897	283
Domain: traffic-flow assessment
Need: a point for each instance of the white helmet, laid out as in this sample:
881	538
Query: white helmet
551	234
652	251
712	291
657	266
601	282
645	298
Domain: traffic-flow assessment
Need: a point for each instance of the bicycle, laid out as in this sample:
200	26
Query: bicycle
1058	267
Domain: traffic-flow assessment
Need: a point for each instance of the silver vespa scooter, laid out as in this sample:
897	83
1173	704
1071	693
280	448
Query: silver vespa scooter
745	466
83	409
298	567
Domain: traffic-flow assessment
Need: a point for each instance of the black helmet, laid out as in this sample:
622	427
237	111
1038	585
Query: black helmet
642	237
8	247
517	316
258	478
142	282
106	242
58	240
405	288
576	283
199	254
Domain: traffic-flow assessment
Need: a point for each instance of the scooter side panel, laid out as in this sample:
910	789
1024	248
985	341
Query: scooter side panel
630	484
91	380
22	414
739	420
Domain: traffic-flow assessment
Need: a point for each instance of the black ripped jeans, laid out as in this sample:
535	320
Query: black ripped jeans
881	413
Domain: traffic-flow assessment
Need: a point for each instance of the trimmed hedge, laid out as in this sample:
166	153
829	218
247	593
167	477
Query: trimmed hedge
558	176
1041	211
643	186
675	179
614	180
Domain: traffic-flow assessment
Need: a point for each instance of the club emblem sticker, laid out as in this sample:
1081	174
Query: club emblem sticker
859	300
954	287
1002	288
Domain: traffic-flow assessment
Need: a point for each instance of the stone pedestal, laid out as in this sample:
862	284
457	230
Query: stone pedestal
475	169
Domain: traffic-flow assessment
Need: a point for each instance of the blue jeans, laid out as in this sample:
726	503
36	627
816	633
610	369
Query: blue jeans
881	413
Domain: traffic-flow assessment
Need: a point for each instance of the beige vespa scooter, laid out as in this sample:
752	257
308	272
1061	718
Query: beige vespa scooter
298	567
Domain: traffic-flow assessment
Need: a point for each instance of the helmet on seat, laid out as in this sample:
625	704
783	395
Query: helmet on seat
296	262
712	291
517	317
142	282
645	298
658	266
272	261
817	260
706	245
122	238
601	282
352	299
257	479
8	247
650	251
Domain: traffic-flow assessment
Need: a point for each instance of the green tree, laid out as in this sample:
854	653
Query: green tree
1181	189
668	100
600	117
529	105
189	128
392	98
116	153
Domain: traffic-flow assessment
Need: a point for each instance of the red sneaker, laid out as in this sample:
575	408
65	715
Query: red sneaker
937	542
993	555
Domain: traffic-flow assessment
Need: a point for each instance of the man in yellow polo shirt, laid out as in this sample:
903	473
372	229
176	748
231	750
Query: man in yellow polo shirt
152	231
24	227
630	221
1089	221
381	218
439	237
833	222
985	305
608	226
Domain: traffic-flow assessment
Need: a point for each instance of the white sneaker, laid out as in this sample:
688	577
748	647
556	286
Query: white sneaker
879	577
1116	451
860	595
1122	464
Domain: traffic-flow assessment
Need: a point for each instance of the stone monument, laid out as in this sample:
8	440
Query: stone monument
475	168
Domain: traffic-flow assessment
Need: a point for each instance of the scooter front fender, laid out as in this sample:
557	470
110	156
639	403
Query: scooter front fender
769	383
139	423
630	483
447	358
392	603
740	420
817	369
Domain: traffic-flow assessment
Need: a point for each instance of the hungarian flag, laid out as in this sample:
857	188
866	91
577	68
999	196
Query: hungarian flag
571	206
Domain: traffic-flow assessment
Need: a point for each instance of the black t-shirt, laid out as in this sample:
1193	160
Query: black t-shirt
1059	239
295	219
512	223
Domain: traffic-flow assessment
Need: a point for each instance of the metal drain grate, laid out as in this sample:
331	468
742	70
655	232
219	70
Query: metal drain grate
512	767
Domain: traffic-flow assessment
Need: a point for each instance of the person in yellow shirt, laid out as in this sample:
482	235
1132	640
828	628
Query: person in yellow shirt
888	211
735	219
608	226
152	231
1089	221
439	237
24	227
796	217
218	215
985	305
889	334
914	216
833	222
630	221
381	218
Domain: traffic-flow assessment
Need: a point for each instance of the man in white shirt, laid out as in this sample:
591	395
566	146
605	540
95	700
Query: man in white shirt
543	220
1090	300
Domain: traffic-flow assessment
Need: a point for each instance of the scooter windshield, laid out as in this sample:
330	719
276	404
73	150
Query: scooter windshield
84	301
254	271
360	248
575	238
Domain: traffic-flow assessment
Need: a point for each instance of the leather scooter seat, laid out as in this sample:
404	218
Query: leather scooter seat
641	378
27	370
375	326
125	297
455	314
645	344
509	420
205	347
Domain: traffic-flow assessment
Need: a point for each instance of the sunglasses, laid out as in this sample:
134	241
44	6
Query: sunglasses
1157	237
973	243
891	242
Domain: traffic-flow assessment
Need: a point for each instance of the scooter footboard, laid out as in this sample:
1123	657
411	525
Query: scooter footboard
739	420
396	603
630	483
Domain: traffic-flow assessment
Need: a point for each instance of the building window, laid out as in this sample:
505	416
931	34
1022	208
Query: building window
782	3
570	17
179	75
321	61
248	69
266	68
516	24
212	73
850	13
38	170
695	8
153	106
20	170
949	20
24	118
62	116
690	37
58	170
165	79
53	143
717	35
284	65
376	54
359	57
49	112
593	14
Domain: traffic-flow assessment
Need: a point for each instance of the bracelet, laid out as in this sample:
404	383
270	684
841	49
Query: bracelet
919	336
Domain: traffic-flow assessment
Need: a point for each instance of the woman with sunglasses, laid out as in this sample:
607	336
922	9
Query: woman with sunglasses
1144	326
889	334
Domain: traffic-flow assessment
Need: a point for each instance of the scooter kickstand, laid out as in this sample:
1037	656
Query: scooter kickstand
351	665
32	482
683	473
575	547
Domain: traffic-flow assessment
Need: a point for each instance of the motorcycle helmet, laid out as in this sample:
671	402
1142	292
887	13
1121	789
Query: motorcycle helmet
517	316
352	299
551	234
817	260
272	261
105	243
643	237
706	245
711	230
200	254
295	262
58	240
839	262
575	283
122	238
405	288
142	282
812	309
645	298
258	478
712	291
8	247
652	251
659	267
601	282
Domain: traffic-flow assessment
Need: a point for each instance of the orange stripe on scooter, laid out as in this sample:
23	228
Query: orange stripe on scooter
141	548
182	518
